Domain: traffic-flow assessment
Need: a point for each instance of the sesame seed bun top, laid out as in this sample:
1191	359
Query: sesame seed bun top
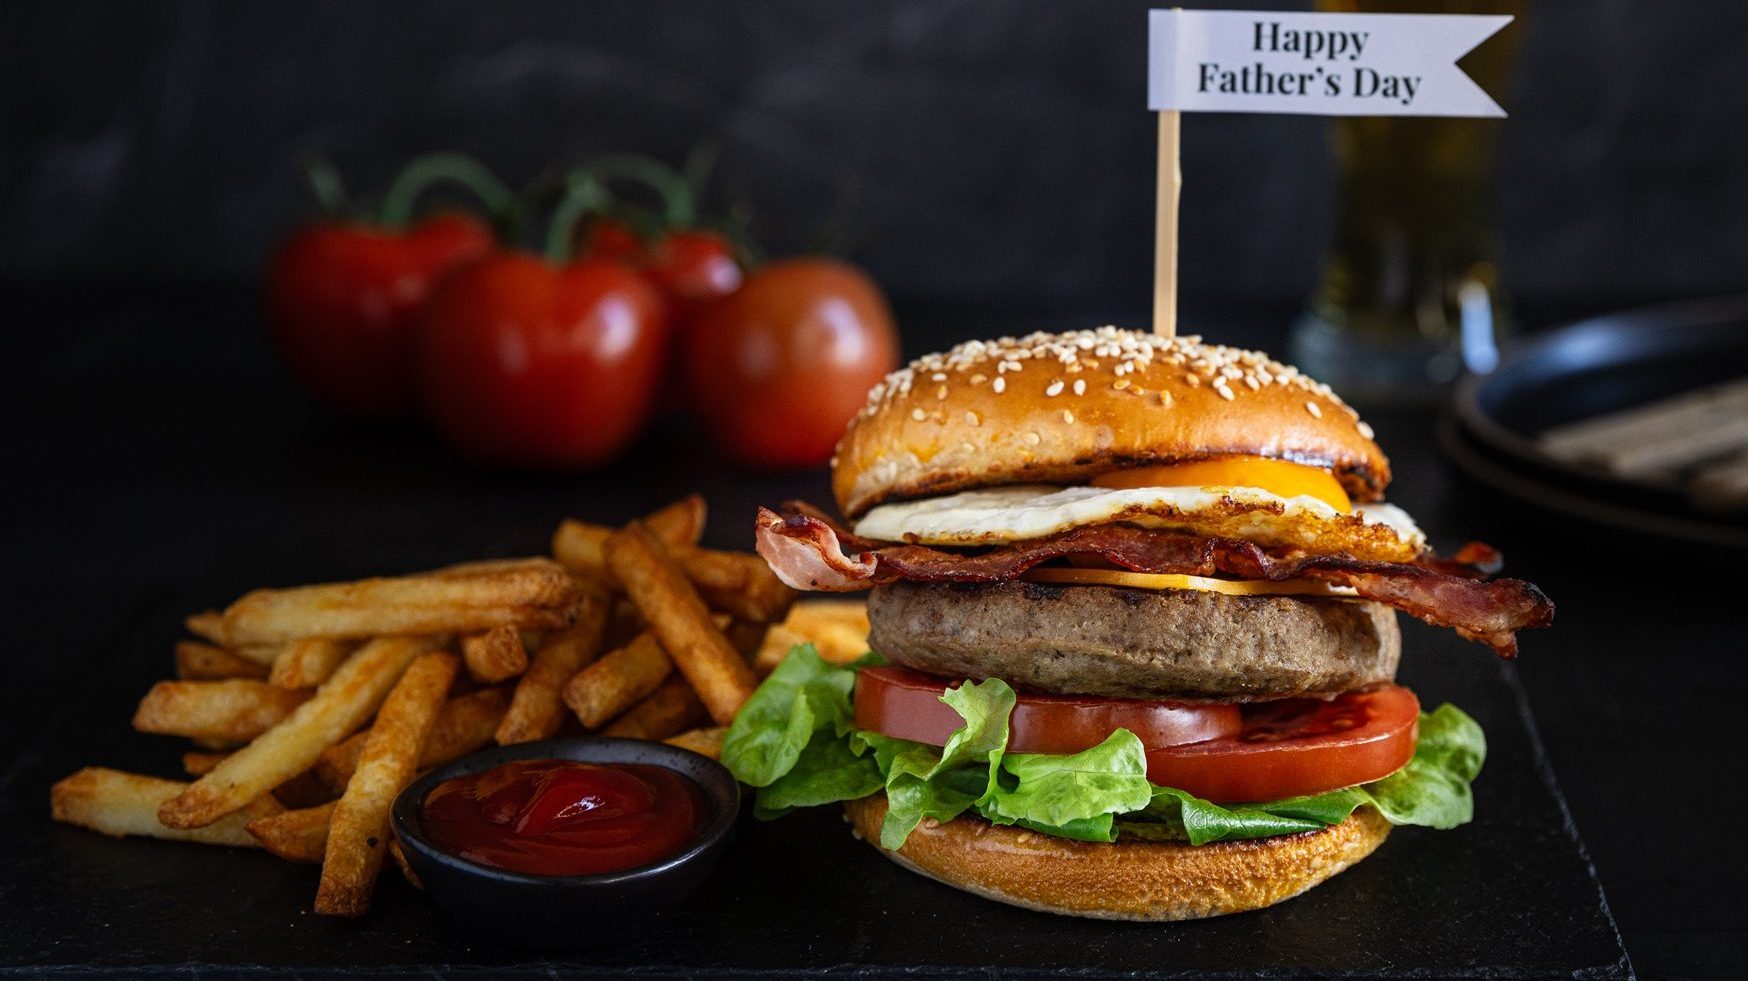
1063	408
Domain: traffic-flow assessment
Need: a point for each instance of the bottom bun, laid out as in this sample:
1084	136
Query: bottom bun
1125	879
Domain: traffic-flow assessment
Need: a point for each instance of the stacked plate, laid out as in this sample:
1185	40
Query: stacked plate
1636	421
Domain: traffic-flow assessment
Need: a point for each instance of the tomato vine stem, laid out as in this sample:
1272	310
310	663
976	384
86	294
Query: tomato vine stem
432	169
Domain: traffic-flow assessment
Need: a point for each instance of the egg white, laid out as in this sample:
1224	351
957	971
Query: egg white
1006	514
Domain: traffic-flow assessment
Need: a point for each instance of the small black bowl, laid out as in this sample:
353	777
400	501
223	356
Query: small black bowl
568	911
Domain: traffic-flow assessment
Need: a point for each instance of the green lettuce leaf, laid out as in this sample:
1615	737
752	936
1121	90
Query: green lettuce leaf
804	695
1078	792
826	771
923	782
1433	789
1200	821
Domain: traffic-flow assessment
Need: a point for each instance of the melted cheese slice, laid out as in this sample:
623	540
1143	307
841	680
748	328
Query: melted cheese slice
997	515
1155	581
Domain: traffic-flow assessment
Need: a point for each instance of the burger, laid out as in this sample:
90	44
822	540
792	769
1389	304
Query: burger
1132	605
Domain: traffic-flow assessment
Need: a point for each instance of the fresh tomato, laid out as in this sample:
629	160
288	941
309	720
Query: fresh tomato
612	240
778	367
690	267
693	267
907	704
530	363
344	300
1297	747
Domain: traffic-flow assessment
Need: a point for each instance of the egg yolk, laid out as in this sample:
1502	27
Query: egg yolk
1275	476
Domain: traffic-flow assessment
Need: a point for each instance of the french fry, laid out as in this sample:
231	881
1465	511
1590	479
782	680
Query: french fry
745	636
737	583
582	547
824	615
199	661
620	679
120	804
340	705
837	628
358	834
704	742
464	724
775	647
208	625
536	711
671	709
296	836
680	620
624	623
201	764
495	655
309	661
231	711
536	594
304	790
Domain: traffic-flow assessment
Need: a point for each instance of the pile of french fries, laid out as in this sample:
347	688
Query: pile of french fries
310	708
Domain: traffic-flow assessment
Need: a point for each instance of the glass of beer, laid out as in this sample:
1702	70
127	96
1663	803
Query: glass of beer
1410	291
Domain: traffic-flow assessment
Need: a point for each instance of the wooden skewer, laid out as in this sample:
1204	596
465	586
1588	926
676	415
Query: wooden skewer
1170	186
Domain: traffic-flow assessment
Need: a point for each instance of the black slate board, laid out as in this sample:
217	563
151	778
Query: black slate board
1511	895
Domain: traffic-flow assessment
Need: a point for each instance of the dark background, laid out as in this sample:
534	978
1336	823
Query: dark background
965	152
990	163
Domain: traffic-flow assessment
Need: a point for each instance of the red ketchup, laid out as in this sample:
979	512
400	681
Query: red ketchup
560	817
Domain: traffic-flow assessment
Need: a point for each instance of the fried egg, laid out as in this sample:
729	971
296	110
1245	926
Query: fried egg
992	516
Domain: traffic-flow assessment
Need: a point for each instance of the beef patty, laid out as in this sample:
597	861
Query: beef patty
1133	643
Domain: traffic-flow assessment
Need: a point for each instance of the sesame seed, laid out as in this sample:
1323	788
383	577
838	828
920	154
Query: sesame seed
979	378
1120	384
939	376
1054	389
1000	384
1366	430
918	414
1225	393
1068	417
1032	439
1312	408
1080	386
941	394
972	419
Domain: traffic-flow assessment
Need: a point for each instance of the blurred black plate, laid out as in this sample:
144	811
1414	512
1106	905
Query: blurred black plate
1595	366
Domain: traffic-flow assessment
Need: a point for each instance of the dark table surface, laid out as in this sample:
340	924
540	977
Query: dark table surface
166	461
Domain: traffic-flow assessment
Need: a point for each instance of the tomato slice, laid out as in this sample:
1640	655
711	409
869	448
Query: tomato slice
1297	747
906	704
1254	752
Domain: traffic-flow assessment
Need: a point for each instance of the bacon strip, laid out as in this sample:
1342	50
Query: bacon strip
807	553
